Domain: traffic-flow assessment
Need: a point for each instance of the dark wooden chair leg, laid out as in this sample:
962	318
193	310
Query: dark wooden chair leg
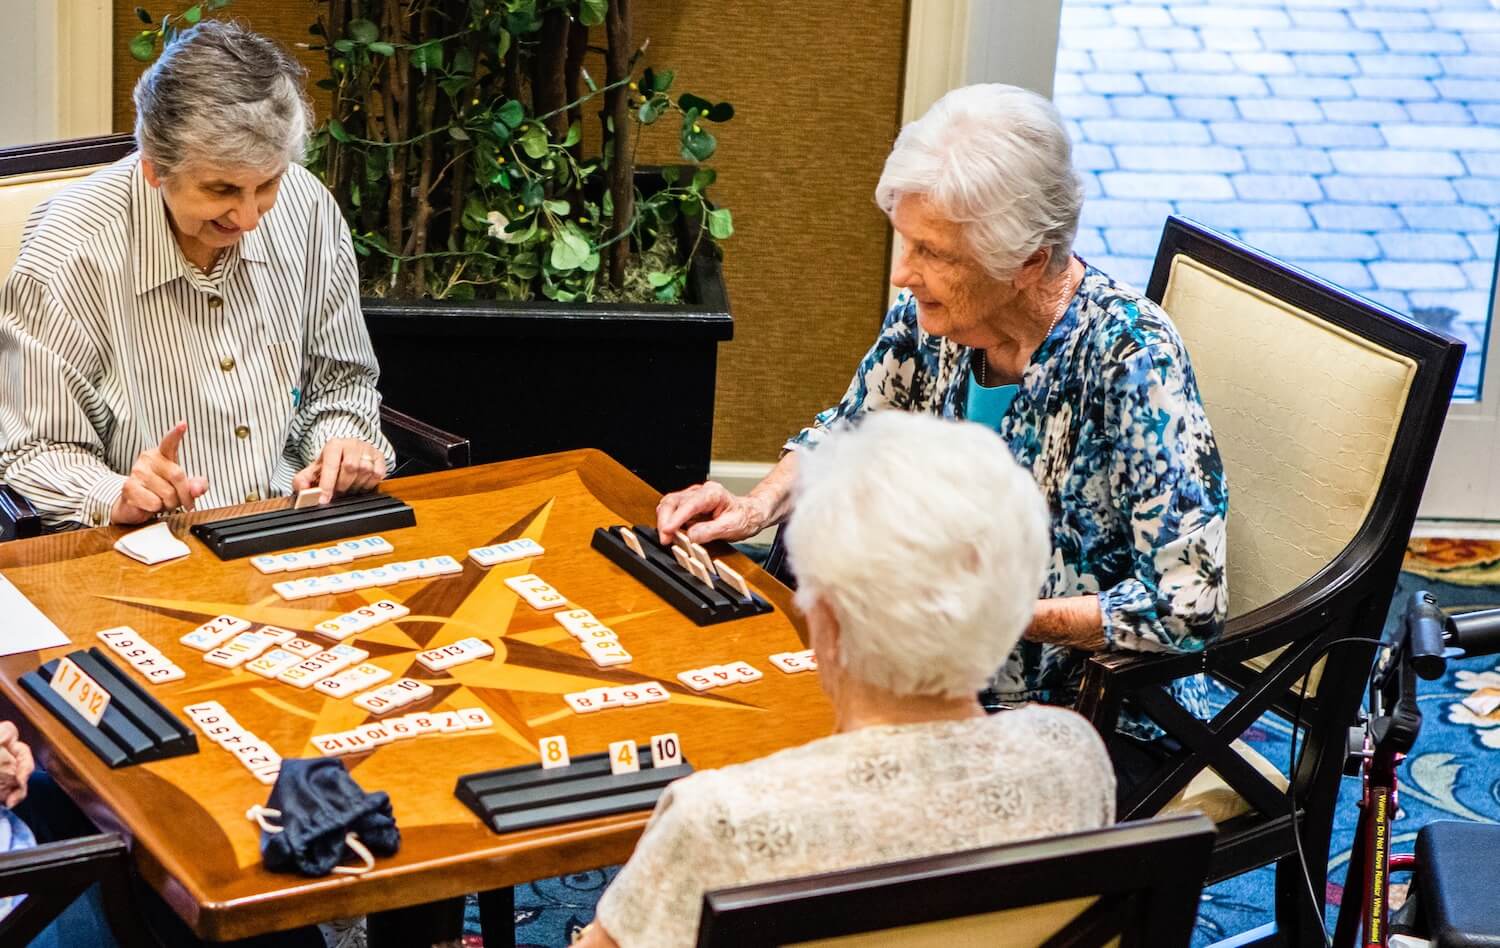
497	917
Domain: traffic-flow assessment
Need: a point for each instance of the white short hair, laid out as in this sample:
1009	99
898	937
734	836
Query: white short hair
928	542
996	160
224	96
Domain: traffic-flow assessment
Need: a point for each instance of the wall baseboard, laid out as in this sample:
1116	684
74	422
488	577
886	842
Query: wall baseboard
738	476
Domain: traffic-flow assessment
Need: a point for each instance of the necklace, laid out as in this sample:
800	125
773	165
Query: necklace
982	376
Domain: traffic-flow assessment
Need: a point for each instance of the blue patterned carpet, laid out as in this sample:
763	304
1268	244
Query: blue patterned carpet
1454	774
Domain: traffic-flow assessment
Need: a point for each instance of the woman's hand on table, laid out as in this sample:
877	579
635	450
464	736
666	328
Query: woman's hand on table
157	483
16	765
346	466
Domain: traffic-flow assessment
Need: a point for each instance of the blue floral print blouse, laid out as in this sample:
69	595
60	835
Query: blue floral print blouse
1109	421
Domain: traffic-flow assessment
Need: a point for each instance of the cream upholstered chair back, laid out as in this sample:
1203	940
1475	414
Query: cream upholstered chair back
1305	414
31	174
1080	889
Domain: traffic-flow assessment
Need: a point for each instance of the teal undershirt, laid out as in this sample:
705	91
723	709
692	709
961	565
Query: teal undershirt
988	405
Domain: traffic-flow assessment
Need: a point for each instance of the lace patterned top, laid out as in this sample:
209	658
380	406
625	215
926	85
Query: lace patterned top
1109	421
874	795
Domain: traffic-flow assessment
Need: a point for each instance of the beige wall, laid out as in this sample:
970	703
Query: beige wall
816	85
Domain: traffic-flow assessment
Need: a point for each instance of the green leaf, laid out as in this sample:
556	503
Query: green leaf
362	31
658	278
558	207
703	177
343	45
697	145
453	85
457	134
428	56
192	14
534	142
532	194
511	113
591	12
144	16
670	174
722	112
590	263
501	131
575	134
336	129
463	61
143	47
503	46
651	109
662	81
569	248
217	5
720	224
383	49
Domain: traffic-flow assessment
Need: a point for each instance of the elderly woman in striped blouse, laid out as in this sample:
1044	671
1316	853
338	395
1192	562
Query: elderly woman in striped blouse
182	328
1084	378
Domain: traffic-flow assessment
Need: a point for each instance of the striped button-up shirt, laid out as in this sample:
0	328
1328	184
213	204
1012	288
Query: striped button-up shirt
109	337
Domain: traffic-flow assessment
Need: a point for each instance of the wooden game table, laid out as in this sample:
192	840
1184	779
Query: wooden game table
185	816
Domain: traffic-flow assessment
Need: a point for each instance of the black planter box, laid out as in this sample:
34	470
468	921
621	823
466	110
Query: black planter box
532	377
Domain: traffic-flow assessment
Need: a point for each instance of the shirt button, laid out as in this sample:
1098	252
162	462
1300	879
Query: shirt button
226	363
240	431
252	497
215	302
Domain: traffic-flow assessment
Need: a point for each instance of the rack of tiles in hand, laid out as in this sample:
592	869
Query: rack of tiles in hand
704	589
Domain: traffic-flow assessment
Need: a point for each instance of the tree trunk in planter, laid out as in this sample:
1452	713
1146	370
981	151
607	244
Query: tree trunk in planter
636	381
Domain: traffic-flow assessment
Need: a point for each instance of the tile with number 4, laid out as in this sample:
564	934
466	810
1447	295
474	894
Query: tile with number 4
623	758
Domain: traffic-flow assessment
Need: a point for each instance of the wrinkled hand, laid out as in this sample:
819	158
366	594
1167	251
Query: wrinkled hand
16	765
346	466
157	483
708	511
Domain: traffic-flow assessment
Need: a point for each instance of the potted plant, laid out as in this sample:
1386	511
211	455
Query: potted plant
525	283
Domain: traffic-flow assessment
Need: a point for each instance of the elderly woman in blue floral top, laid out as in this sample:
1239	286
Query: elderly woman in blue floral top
1086	380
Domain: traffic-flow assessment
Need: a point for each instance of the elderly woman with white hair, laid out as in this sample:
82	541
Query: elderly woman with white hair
182	328
912	598
1084	378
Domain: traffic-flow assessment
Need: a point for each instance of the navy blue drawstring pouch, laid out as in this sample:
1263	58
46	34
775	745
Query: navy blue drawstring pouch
325	819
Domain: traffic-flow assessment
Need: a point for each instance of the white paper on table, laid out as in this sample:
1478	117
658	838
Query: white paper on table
152	545
23	627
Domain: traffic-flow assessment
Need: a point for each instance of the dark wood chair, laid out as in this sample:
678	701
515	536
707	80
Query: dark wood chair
53	875
1081	890
1327	409
32	173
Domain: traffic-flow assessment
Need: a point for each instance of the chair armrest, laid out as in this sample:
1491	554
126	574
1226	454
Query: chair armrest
1108	676
432	446
81	857
18	519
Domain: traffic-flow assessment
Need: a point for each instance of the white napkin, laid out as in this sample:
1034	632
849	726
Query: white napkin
152	545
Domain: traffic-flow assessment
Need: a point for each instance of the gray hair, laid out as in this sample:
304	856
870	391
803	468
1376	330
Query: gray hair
927	541
996	160
225	95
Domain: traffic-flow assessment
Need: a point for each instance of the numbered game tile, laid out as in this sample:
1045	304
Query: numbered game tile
610	658
160	676
412	690
696	679
450	722
583	702
623	758
537	592
666	750
554	752
744	671
376	703
302	647
475	719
